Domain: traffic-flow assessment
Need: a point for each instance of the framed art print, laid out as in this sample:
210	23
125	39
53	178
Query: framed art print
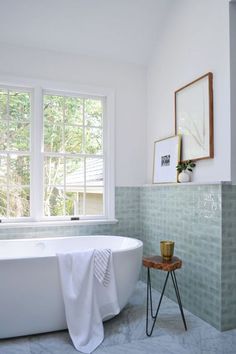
194	118
166	157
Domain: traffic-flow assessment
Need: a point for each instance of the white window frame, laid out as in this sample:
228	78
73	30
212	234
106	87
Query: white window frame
37	87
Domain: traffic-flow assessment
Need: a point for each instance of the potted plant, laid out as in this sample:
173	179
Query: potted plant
183	168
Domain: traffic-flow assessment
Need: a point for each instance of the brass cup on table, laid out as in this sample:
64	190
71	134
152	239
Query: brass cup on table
167	249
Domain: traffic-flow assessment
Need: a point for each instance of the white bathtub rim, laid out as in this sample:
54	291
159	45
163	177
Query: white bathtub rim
138	244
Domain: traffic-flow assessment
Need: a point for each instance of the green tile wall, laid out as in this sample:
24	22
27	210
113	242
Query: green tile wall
191	216
201	219
228	310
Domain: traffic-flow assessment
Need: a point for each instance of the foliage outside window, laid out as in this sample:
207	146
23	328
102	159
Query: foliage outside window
15	117
72	160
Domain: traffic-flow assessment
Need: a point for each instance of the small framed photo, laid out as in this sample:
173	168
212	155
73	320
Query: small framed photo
194	118
166	158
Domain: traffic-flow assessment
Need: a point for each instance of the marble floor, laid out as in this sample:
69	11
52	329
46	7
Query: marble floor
126	334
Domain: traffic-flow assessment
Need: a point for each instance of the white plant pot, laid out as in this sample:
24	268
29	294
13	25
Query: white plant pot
184	177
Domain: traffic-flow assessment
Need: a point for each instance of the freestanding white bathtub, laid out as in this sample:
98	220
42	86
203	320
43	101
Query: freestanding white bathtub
30	292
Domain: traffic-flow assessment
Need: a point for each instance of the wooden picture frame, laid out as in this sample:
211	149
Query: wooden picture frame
194	118
166	158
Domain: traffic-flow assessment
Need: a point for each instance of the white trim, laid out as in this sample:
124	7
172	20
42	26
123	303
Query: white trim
71	155
4	153
60	86
17	88
69	93
13	225
109	154
37	161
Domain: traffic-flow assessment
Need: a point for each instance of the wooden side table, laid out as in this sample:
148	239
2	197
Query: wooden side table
157	262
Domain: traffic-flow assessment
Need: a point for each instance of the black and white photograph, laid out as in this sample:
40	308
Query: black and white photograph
166	157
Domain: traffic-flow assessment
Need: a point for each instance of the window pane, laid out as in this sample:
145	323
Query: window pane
94	201
15	114
73	128
19	136
53	138
74	172
75	202
19	170
93	141
54	170
3	170
53	109
93	112
3	135
94	172
54	201
74	110
3	202
19	105
73	139
19	202
3	104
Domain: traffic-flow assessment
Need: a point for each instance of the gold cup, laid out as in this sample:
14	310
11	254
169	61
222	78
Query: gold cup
167	249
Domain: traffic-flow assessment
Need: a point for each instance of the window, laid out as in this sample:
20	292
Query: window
54	155
15	112
73	156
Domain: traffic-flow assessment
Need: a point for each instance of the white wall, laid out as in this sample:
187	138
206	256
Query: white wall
194	41
129	82
233	88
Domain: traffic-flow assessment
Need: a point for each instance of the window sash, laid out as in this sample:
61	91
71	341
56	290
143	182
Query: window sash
78	155
9	152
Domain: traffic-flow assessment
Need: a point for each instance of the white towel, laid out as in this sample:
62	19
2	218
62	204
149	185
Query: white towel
87	301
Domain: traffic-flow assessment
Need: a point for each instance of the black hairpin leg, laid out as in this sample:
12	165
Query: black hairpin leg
149	298
174	280
149	295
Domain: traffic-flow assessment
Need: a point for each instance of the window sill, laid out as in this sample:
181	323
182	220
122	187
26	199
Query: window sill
67	223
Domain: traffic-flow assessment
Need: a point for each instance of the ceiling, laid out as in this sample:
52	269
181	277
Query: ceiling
120	30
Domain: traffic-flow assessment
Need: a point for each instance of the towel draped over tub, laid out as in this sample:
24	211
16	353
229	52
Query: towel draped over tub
89	294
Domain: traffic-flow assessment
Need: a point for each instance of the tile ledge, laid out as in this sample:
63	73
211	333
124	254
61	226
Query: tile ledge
188	184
